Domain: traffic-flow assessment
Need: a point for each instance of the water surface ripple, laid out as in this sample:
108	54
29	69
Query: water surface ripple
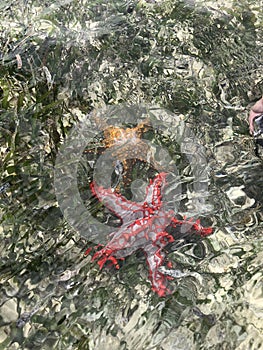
61	60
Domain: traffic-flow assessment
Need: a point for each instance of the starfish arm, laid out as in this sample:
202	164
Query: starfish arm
155	258
154	191
193	227
104	255
115	202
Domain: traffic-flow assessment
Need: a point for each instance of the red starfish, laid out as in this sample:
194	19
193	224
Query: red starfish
143	227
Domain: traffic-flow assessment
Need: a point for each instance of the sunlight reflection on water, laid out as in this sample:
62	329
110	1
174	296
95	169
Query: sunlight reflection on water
200	60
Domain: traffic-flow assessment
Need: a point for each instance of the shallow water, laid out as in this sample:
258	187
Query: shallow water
201	63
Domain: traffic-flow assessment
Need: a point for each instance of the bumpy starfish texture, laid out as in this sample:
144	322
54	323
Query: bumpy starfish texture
143	227
126	145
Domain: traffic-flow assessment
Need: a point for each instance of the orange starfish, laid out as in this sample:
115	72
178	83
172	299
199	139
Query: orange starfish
126	144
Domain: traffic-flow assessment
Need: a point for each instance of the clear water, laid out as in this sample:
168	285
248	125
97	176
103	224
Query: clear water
60	61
